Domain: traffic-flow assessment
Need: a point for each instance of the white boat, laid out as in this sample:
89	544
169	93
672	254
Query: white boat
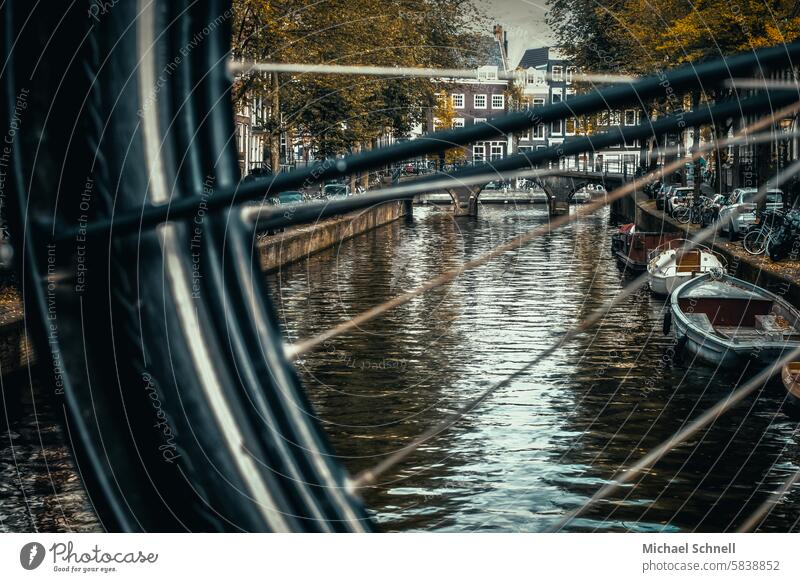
582	196
671	265
728	322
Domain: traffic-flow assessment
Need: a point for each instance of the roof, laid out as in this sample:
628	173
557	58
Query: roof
483	51
535	57
539	57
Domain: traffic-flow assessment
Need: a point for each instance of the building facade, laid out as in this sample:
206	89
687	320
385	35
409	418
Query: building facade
480	99
545	76
251	139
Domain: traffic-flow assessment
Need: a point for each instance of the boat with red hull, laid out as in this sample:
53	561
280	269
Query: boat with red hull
632	248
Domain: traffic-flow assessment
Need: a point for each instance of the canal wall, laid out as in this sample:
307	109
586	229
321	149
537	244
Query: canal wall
781	278
298	243
274	251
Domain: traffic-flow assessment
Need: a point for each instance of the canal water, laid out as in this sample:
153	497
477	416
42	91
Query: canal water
543	445
538	448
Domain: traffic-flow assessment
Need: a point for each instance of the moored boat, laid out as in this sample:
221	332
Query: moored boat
632	248
672	264
791	381
582	196
728	322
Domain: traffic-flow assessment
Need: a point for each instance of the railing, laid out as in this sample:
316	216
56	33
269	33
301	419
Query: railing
280	381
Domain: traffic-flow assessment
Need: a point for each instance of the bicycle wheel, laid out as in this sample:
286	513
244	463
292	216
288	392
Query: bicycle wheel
183	412
682	214
755	242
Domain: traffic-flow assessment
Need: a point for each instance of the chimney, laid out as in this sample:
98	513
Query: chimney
505	44
498	32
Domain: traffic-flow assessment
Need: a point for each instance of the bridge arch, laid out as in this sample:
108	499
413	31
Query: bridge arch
560	187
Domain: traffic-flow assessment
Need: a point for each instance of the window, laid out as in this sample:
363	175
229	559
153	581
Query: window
570	71
440	97
557	128
538	132
498	101
538	101
630	117
480	101
478	152
479	120
557	96
558	73
496	150
458	100
616	118
572	123
437	124
458	122
487	73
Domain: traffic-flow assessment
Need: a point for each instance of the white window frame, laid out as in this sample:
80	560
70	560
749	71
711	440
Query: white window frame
502	101
455	98
557	73
479	157
487	73
538	131
458	122
558	123
479	120
557	93
627	111
496	150
475	101
568	75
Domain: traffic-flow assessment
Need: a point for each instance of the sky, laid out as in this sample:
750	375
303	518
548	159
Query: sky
523	19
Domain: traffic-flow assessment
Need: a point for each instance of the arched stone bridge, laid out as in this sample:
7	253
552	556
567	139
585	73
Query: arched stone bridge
559	186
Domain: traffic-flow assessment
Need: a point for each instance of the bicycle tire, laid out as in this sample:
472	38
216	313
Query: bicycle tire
134	344
682	215
755	242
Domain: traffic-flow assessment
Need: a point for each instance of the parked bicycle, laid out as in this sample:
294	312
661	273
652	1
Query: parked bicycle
756	240
693	213
784	241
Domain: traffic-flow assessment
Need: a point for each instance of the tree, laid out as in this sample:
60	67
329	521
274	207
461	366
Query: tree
645	36
337	114
444	114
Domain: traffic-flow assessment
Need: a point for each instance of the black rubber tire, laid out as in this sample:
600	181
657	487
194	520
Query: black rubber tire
182	409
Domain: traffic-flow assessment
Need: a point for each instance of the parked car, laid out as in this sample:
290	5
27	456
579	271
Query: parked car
711	212
652	188
290	197
679	196
330	191
740	212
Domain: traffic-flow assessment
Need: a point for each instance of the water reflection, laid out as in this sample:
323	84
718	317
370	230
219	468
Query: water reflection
40	490
549	440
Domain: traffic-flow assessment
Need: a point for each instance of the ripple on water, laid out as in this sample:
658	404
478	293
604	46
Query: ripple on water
549	440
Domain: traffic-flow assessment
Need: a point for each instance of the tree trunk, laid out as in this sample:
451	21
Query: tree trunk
275	134
364	176
698	168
